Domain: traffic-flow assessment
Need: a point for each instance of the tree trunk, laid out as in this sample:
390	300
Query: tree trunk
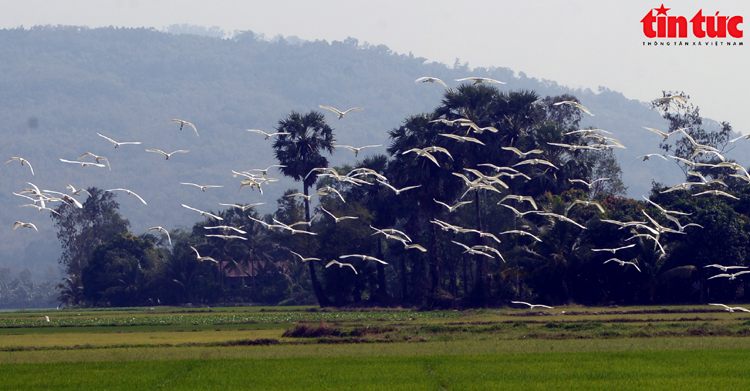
480	289
466	279
404	281
434	263
382	292
317	288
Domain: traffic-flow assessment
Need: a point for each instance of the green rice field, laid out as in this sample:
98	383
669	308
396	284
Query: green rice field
676	347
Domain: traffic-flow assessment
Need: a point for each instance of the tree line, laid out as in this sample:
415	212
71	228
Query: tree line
486	252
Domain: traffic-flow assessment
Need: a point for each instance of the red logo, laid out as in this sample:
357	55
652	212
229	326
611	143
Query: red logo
663	26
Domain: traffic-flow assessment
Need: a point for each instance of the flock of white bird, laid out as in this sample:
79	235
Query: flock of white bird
256	178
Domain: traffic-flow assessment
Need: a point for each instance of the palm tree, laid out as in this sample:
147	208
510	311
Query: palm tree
511	115
299	152
409	170
387	208
71	290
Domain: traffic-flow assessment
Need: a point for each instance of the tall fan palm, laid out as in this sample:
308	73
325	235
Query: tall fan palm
388	208
299	152
510	115
409	170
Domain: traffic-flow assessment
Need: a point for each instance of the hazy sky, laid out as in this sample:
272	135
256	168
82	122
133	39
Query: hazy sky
576	43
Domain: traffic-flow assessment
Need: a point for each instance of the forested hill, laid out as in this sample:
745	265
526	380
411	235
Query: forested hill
60	86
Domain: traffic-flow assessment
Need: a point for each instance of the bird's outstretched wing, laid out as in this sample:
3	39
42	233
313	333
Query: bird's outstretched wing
427	79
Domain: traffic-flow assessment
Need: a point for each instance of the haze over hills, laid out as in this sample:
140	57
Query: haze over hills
60	86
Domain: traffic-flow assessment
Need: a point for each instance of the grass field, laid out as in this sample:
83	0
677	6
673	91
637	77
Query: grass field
694	347
628	370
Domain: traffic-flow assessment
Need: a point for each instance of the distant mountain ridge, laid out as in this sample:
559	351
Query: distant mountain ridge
60	85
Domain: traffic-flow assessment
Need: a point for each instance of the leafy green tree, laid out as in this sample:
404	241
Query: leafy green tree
184	279
80	230
70	290
604	165
119	270
299	152
687	118
21	292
